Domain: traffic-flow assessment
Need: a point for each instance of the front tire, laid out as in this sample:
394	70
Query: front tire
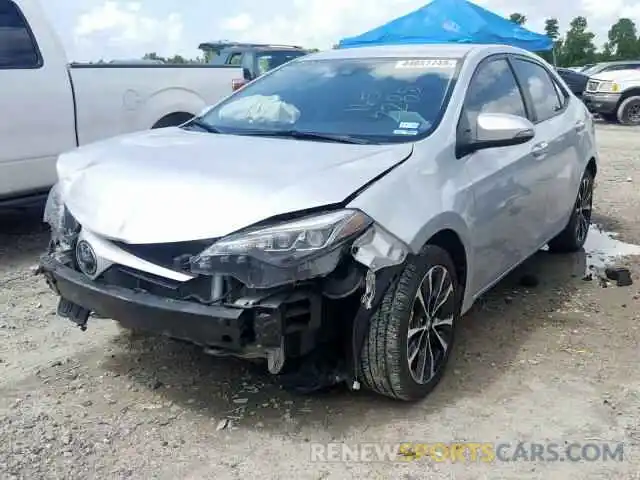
629	111
574	235
411	335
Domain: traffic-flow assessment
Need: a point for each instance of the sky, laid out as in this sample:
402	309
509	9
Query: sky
127	29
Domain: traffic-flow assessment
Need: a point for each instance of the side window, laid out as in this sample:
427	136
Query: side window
540	87
17	48
235	59
493	89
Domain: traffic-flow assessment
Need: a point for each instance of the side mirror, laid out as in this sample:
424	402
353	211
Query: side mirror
493	130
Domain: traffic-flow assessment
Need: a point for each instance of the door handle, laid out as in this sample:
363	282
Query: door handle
539	150
580	126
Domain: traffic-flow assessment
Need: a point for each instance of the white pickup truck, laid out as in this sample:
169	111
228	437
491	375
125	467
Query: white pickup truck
48	106
615	96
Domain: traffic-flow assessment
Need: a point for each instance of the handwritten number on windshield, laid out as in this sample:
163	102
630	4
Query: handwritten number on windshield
379	106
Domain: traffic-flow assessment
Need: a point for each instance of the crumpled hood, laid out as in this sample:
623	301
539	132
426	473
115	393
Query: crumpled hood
175	185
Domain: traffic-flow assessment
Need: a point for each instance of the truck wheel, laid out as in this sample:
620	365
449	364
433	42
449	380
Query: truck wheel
572	238
629	111
411	335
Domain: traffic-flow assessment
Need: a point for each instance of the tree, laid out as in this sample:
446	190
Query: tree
152	56
177	59
552	28
518	18
623	40
606	54
578	47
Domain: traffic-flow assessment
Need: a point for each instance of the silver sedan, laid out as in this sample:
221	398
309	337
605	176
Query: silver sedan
334	217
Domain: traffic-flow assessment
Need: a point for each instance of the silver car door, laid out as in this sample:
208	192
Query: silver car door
503	179
558	131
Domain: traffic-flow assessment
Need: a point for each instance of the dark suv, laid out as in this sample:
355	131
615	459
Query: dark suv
256	59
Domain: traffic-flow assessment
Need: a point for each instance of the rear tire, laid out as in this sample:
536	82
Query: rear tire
403	329
574	235
629	111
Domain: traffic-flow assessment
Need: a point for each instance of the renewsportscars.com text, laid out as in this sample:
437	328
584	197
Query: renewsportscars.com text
468	452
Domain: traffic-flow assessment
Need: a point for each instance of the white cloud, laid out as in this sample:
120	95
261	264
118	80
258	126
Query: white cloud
130	28
321	23
239	22
127	29
318	23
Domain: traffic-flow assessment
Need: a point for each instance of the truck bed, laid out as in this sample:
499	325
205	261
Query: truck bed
137	96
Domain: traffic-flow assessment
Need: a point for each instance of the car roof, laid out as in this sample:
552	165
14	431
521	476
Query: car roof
412	51
248	46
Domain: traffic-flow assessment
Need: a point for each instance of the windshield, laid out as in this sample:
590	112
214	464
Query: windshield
379	100
609	68
270	60
591	70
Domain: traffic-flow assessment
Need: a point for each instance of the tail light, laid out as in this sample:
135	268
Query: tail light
237	83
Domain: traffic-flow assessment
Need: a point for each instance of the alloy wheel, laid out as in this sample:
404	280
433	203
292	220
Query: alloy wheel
584	205
430	330
634	113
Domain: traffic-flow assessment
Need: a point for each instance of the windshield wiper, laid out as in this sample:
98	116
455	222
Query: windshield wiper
196	122
308	136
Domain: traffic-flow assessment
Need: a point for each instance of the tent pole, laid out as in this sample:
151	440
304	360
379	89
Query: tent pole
553	52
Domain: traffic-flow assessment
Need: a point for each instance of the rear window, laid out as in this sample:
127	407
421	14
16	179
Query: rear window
382	100
17	48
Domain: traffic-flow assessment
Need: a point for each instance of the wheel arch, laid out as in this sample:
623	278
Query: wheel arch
173	119
631	92
168	102
592	166
450	232
449	240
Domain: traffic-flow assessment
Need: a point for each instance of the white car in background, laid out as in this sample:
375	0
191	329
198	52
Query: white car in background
49	106
615	96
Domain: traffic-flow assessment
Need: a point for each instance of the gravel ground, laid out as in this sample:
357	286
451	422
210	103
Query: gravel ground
556	362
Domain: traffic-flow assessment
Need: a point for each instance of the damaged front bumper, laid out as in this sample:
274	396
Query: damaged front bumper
253	326
261	316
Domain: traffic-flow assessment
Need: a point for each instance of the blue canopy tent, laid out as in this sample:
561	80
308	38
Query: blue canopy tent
451	21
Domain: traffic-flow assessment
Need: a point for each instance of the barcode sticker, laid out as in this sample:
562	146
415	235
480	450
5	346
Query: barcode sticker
426	63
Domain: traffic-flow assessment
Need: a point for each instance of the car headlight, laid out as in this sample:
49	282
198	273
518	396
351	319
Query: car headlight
609	87
283	253
63	226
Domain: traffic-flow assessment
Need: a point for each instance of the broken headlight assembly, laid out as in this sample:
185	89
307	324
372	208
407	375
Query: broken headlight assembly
64	228
283	253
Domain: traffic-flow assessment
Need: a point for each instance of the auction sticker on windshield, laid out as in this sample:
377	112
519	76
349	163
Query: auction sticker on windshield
425	63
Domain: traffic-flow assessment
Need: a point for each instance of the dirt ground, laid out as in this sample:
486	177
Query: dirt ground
557	362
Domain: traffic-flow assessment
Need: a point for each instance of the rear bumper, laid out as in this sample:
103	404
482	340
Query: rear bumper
263	325
606	103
